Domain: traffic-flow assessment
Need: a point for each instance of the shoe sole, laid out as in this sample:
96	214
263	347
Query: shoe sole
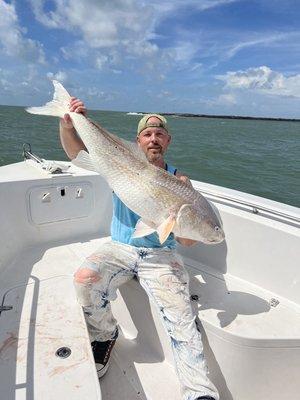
102	370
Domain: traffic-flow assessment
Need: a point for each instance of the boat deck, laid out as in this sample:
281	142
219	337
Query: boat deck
46	316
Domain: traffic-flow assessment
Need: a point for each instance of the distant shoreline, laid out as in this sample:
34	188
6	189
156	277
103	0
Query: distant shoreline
191	115
188	115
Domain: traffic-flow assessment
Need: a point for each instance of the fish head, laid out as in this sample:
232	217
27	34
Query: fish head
198	223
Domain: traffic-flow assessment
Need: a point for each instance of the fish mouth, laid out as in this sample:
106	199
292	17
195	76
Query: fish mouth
214	241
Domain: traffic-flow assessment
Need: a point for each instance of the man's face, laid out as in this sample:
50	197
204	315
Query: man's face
154	141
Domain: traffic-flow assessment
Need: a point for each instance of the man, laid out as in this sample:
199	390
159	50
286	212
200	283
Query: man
159	269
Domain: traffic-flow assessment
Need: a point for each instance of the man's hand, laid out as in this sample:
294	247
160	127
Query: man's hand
184	178
71	142
77	106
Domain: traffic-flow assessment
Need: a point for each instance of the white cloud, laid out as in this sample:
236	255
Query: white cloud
60	76
196	66
184	52
169	6
24	84
140	48
109	33
262	41
125	25
12	41
100	24
227	99
264	80
206	4
77	49
101	61
164	94
93	93
5	85
95	58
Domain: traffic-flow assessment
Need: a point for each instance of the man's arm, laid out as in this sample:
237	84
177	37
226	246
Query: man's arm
70	141
184	241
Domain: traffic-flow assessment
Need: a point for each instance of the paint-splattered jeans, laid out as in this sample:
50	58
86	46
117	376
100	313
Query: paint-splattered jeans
162	274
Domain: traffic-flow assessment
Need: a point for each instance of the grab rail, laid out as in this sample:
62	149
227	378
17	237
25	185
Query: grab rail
27	154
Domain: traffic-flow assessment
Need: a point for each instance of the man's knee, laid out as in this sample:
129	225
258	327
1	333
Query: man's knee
86	275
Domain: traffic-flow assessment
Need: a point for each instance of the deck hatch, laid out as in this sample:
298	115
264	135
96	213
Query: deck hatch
54	203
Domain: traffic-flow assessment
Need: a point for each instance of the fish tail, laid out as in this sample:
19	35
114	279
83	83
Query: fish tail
58	107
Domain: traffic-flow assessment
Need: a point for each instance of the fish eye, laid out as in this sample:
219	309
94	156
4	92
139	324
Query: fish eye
217	228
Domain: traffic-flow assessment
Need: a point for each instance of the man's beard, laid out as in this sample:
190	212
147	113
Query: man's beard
154	157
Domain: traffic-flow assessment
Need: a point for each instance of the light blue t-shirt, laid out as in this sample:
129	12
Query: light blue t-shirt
124	221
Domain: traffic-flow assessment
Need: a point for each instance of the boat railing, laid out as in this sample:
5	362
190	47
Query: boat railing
251	207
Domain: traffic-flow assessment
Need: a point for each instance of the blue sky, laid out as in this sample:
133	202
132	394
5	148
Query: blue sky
237	57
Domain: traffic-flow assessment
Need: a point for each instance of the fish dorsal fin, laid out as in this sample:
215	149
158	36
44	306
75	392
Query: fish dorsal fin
136	150
84	160
130	146
143	228
166	228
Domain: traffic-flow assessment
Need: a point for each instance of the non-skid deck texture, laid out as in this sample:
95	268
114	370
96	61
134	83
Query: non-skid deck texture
46	316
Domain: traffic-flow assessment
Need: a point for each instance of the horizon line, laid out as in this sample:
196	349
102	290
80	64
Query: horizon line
189	115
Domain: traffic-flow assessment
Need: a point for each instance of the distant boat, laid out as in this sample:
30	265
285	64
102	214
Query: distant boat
134	113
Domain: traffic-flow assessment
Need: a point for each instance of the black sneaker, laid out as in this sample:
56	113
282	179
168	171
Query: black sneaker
205	398
102	351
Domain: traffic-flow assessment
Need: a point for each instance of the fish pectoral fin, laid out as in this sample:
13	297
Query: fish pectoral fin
83	160
166	228
143	228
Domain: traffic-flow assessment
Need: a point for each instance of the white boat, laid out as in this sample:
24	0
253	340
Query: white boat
246	292
134	113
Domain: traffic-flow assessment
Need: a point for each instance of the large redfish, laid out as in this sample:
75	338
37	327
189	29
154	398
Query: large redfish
165	203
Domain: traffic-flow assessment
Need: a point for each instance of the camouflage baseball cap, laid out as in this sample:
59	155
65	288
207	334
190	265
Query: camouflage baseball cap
143	124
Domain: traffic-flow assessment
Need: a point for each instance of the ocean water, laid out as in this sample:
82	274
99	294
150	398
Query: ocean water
253	156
